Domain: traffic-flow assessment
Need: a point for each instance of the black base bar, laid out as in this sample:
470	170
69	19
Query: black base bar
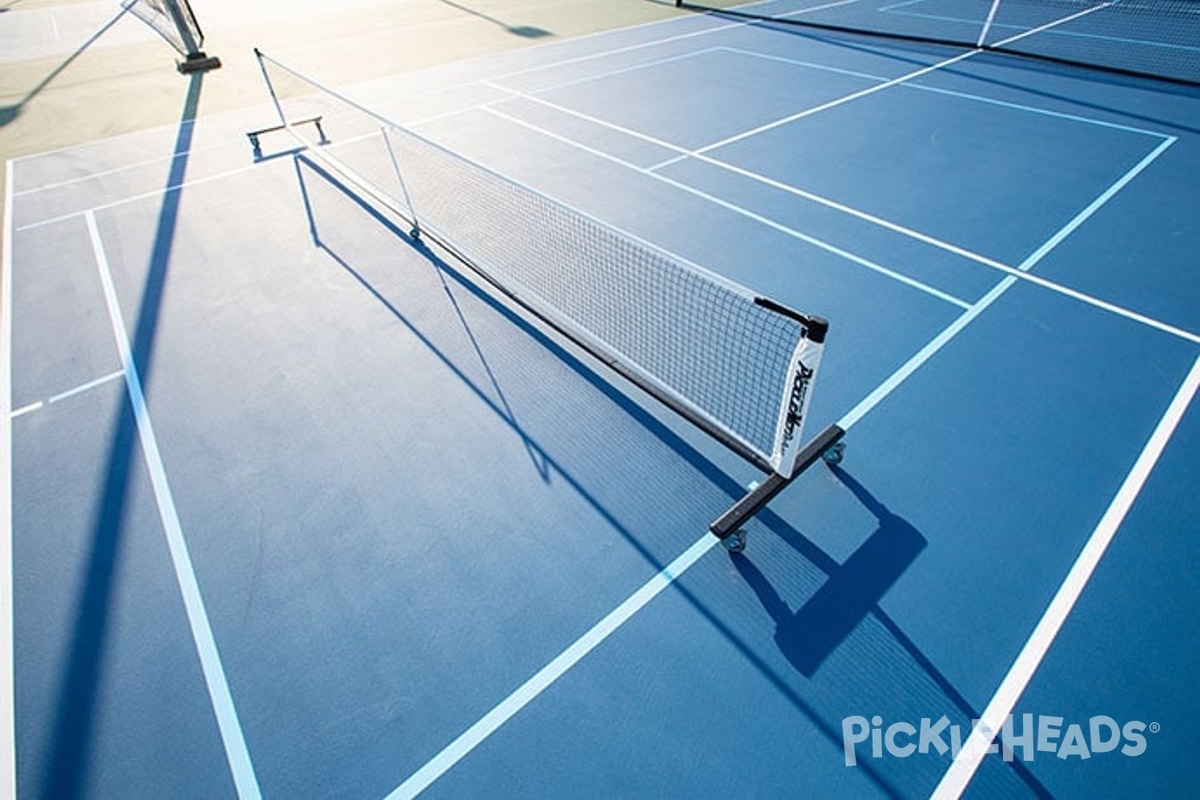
732	520
198	62
253	135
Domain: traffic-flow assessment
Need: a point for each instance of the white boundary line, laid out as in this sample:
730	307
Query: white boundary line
23	410
8	739
967	762
236	752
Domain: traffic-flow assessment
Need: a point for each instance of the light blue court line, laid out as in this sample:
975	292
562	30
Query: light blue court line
1045	112
477	733
567	62
236	752
23	410
473	736
8	737
966	762
85	387
29	409
867	76
798	12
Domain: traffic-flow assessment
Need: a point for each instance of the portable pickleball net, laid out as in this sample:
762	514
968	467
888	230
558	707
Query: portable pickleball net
739	366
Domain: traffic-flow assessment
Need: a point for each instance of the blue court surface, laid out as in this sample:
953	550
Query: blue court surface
301	508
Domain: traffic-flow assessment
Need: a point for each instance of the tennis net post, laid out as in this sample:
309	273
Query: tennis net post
791	455
175	22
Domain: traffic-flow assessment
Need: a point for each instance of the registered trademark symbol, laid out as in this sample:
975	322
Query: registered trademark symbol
1155	727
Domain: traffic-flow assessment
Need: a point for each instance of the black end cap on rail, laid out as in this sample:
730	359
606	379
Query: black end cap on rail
817	329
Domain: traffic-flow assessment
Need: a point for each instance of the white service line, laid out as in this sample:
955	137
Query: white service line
134	198
236	751
991	722
8	738
30	408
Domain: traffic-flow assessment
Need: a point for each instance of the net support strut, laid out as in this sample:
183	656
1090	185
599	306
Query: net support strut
730	523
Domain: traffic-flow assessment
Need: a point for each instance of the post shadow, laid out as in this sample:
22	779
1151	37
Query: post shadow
809	635
526	31
71	739
9	114
537	456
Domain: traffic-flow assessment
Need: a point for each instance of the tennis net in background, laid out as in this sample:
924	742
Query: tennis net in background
173	20
1151	38
735	364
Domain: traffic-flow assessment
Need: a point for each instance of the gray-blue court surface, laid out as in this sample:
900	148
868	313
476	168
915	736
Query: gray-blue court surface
301	507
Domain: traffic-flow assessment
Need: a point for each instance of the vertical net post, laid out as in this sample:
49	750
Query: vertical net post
258	54
790	457
195	59
387	142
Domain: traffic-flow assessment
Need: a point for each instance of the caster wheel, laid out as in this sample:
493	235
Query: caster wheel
835	453
735	542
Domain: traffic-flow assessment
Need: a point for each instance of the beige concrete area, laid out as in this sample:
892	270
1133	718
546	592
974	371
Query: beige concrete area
96	71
